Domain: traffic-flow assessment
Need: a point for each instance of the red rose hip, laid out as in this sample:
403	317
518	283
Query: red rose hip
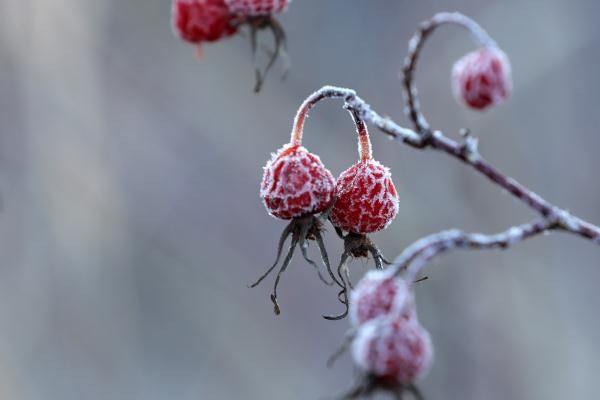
198	21
393	350
482	78
366	199
253	8
379	294
296	183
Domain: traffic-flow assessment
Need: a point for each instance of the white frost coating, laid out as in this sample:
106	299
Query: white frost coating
257	7
379	293
476	82
295	182
390	348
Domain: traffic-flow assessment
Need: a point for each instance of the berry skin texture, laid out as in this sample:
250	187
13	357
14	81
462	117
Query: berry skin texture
394	350
366	199
380	294
296	183
253	8
198	21
482	78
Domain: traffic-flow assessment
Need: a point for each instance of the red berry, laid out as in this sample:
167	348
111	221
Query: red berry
199	21
366	199
395	350
296	183
380	294
251	8
482	78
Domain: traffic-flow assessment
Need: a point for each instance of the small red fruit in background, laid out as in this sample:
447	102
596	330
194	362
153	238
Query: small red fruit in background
482	78
380	294
252	8
296	183
198	21
366	199
394	351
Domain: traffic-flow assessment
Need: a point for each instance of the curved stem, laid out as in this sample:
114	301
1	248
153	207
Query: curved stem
415	45
365	150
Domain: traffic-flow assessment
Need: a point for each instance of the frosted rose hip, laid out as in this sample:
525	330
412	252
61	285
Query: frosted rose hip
482	78
199	21
296	183
257	7
397	351
366	199
379	294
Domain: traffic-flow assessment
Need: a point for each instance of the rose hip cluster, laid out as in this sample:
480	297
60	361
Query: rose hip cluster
205	21
389	346
296	186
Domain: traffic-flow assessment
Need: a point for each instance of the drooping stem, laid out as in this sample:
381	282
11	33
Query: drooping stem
415	45
365	151
303	111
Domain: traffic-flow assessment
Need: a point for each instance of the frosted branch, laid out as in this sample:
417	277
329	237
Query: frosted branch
466	151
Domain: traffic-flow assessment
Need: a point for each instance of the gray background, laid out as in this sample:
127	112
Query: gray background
131	222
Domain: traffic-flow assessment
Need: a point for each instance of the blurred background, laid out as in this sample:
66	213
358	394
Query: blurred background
131	223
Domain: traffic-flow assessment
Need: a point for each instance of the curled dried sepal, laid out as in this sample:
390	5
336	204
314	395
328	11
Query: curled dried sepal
300	230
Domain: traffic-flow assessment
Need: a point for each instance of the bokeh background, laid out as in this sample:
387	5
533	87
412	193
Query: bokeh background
131	223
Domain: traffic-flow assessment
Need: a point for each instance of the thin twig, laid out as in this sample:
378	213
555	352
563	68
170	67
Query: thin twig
414	257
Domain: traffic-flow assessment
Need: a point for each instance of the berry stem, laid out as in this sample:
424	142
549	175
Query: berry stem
365	150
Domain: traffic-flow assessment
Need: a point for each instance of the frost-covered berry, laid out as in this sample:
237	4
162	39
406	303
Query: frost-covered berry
253	8
482	78
198	21
295	183
366	199
396	351
378	294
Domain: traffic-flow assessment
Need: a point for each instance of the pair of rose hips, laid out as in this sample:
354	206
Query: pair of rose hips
390	346
296	186
199	21
296	183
